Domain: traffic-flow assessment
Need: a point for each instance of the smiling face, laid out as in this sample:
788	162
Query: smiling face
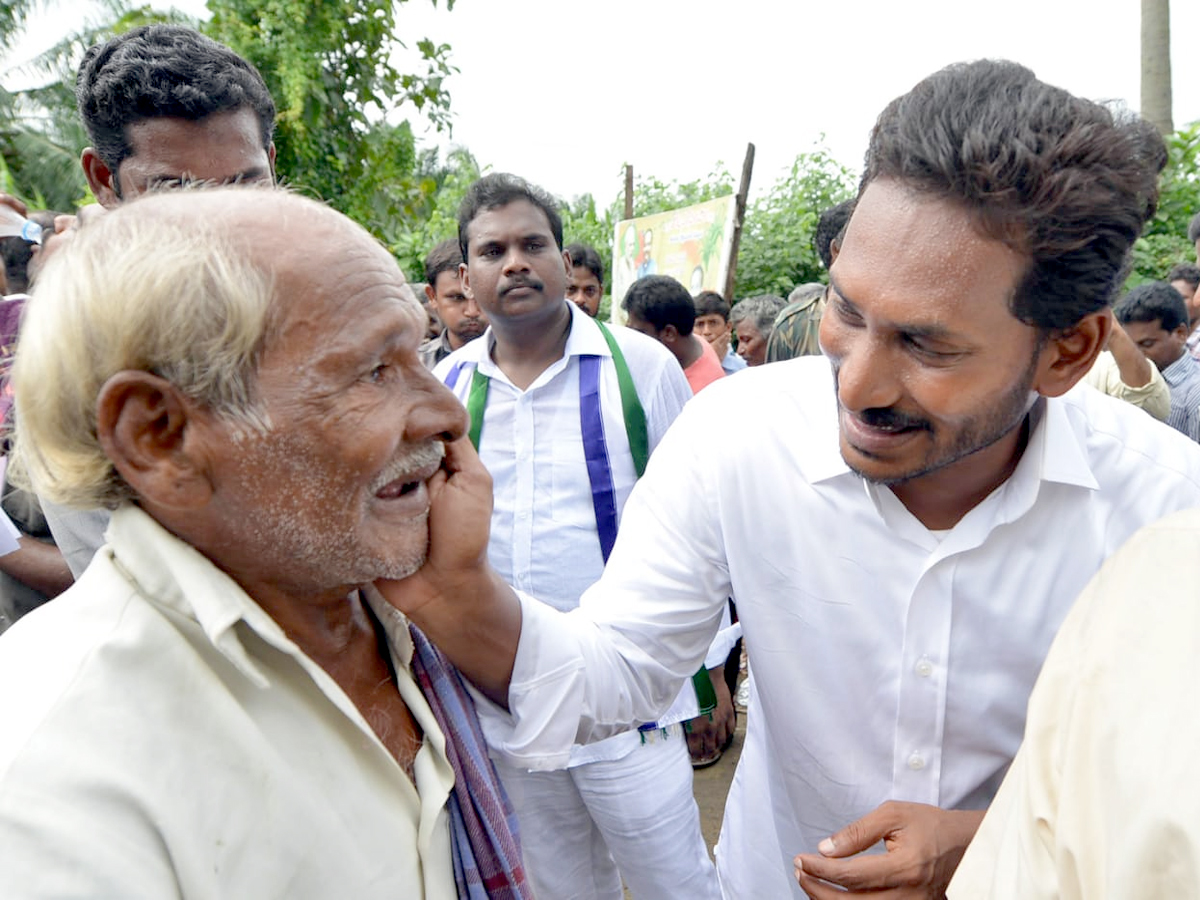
334	494
222	148
932	369
515	269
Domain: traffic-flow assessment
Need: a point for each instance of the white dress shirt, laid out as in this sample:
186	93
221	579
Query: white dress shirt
544	538
162	737
889	662
1101	800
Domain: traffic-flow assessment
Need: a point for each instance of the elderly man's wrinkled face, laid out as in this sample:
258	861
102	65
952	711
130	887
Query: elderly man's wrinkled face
335	493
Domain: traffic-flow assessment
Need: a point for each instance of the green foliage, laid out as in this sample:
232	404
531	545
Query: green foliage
41	135
328	67
653	196
584	224
1164	242
777	251
439	189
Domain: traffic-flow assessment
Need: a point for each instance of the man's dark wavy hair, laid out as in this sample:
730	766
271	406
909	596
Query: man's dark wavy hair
163	71
500	189
1064	181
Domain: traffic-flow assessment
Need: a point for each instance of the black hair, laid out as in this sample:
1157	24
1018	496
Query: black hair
584	256
500	189
15	253
710	303
830	226
163	71
1154	301
661	301
1185	272
445	257
1061	180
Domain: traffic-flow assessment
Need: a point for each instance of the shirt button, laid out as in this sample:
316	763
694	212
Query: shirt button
916	762
924	667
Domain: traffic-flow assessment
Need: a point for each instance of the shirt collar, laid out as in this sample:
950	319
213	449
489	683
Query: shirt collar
1054	453
823	459
171	573
584	339
1179	370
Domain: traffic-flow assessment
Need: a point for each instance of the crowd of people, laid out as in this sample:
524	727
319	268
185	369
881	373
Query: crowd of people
330	585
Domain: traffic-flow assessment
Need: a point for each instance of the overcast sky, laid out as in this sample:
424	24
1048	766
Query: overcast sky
565	92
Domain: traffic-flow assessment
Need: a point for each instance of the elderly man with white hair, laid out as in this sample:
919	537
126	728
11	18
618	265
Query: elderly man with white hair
223	705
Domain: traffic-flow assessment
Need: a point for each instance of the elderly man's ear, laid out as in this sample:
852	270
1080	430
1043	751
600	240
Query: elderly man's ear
155	438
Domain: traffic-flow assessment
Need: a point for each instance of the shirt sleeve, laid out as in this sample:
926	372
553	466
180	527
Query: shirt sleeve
1153	397
642	630
663	396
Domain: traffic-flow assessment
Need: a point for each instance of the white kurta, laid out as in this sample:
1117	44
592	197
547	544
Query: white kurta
162	737
889	662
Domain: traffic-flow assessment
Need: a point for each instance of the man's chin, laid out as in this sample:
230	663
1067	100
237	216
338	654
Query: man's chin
401	568
875	470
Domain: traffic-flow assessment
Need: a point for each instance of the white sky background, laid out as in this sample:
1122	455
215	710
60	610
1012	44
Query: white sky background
564	92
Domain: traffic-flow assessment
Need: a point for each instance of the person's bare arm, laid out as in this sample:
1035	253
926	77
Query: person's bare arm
1132	364
457	598
924	846
39	565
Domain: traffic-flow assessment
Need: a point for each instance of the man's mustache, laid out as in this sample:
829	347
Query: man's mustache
522	282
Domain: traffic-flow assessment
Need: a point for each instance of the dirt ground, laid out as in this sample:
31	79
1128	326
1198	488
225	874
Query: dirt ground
712	784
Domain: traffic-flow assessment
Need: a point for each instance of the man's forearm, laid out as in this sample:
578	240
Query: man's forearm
476	622
39	565
1132	364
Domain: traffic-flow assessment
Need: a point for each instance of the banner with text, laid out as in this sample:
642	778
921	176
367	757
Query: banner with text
691	244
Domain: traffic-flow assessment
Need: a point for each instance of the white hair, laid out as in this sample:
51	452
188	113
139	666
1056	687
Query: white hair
761	310
167	294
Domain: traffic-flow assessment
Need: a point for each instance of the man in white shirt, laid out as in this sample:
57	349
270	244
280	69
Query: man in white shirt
222	706
550	417
904	524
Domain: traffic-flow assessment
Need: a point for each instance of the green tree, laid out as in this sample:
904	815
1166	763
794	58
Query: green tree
328	67
40	132
777	251
439	189
1164	241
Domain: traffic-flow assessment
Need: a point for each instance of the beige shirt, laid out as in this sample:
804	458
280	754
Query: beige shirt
162	737
1102	798
1154	396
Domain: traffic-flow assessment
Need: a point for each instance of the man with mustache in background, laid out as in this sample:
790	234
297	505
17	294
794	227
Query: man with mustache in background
549	391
